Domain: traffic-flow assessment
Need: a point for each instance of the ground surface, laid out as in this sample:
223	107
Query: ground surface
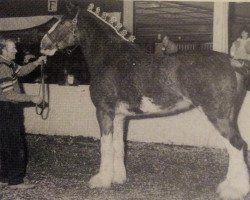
62	166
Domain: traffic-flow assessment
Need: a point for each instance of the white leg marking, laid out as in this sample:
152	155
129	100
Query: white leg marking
105	175
236	185
147	105
118	144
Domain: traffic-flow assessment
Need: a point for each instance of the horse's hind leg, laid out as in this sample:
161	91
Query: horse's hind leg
105	175
236	184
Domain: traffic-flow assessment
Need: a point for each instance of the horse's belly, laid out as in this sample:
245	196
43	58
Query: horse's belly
149	107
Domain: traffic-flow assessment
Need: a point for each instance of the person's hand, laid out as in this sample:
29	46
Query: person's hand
236	63
36	99
27	58
41	60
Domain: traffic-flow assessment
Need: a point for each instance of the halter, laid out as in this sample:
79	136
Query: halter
70	51
69	29
44	93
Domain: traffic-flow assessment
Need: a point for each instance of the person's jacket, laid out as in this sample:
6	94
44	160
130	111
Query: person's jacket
9	86
241	49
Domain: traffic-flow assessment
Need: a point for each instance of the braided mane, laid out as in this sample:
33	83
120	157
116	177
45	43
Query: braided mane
112	22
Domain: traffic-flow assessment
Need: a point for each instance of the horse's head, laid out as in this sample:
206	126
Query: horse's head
64	33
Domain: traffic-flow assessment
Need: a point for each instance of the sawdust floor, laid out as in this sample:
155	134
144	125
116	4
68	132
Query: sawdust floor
61	167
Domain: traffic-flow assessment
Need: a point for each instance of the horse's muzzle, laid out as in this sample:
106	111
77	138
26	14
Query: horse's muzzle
48	52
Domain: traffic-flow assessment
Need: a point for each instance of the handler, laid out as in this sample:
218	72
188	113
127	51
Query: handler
12	141
166	47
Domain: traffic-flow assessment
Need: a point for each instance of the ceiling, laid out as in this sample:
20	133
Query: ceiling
181	20
184	21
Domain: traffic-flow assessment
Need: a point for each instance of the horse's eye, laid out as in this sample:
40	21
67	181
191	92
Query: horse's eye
62	23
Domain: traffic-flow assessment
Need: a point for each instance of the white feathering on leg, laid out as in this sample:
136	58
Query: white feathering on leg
236	184
105	175
118	145
107	154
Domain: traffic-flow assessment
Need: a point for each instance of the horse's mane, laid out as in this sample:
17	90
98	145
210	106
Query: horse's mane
107	25
108	38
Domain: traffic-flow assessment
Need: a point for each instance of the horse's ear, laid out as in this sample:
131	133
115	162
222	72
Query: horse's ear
71	8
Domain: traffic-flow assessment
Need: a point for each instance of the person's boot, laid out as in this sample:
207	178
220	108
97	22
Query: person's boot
3	182
24	186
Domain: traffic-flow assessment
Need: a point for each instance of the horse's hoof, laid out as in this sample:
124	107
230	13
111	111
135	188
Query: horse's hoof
100	181
119	178
227	191
119	175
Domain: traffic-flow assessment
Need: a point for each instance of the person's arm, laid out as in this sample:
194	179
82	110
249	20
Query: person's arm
26	69
234	47
232	50
7	87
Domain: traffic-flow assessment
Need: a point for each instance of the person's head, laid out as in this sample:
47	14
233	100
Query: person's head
8	48
165	40
244	33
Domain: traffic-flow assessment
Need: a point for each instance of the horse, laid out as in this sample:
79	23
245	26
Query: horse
127	82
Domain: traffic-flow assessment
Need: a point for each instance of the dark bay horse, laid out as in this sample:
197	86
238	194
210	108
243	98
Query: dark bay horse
127	82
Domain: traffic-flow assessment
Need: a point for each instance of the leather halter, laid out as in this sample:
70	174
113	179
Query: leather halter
70	28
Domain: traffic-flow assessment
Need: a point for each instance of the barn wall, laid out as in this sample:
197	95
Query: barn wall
72	113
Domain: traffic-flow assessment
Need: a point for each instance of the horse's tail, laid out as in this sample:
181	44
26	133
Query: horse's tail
247	82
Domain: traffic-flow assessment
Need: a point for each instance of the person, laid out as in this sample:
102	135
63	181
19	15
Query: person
240	49
20	51
13	155
166	47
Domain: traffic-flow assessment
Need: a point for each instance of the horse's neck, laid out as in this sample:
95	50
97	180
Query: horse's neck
94	58
95	49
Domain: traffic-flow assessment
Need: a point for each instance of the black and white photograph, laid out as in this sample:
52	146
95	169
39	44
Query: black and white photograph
124	100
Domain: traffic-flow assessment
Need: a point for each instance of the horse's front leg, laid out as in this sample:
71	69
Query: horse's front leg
105	175
118	144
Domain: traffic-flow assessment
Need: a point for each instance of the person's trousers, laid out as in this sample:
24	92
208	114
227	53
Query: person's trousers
12	143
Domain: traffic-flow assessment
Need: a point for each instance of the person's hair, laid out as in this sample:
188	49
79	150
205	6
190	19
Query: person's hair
3	42
244	28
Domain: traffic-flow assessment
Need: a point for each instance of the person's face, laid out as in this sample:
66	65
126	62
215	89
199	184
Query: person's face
244	34
9	51
165	40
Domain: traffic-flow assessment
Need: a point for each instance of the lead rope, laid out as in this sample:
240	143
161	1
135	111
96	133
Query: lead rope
43	92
